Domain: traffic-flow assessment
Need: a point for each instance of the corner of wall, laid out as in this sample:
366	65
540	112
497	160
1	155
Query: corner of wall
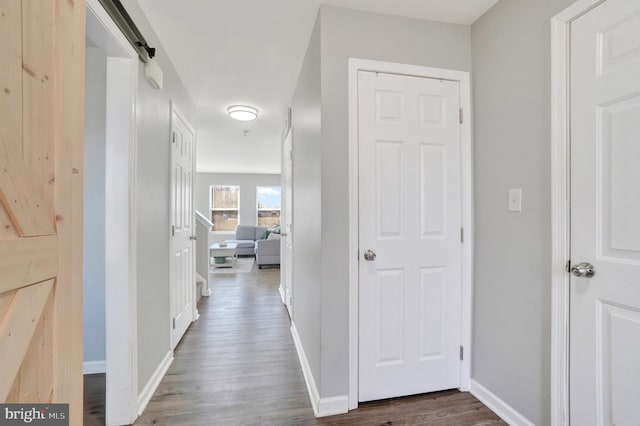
322	407
498	406
154	381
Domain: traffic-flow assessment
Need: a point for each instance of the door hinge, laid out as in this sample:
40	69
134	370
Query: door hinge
461	116
173	137
462	235
174	323
569	266
173	230
461	353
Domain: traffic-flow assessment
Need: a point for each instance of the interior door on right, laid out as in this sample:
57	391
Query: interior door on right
605	215
410	217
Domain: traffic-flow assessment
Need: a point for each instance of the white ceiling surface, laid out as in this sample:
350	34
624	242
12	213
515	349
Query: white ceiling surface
250	52
452	11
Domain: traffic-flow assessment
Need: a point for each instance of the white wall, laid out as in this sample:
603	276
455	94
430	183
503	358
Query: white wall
153	193
348	33
307	232
94	206
511	89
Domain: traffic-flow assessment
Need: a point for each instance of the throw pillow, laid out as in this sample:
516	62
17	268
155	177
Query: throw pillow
273	236
265	235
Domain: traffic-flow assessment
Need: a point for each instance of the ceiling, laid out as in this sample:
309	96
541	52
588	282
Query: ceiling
250	52
453	11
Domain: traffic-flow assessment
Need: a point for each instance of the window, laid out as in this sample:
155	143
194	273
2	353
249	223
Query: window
268	201
225	207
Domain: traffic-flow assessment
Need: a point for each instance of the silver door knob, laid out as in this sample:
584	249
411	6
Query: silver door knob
193	238
583	269
369	255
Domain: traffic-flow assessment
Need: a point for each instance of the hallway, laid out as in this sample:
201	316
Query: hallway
237	365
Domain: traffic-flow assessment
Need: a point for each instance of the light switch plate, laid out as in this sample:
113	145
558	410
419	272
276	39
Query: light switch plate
515	200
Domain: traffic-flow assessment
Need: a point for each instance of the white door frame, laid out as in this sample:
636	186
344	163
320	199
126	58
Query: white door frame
560	219
463	78
286	286
120	222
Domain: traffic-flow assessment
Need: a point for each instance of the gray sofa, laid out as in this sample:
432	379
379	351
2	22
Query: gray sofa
249	243
246	237
268	252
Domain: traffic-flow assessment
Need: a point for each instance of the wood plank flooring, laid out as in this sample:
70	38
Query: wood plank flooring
237	365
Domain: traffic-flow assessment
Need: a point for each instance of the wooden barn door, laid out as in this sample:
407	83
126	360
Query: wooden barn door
41	118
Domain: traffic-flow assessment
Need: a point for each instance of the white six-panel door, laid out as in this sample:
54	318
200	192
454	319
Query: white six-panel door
605	215
410	217
182	267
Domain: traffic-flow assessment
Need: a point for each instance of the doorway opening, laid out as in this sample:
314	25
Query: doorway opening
110	181
466	214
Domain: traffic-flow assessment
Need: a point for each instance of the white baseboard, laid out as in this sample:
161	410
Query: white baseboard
321	406
94	367
282	294
498	406
154	381
333	405
314	395
206	291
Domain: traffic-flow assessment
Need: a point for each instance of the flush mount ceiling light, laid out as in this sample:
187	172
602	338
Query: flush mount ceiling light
242	112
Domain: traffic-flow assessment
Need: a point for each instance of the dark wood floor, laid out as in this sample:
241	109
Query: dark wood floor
237	365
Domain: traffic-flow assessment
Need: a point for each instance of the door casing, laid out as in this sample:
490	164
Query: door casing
463	78
560	219
286	255
122	399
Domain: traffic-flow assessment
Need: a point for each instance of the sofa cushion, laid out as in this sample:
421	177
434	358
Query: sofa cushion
275	229
244	243
244	232
267	252
267	248
259	230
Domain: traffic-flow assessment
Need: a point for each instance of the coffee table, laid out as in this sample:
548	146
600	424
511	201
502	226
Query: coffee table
224	251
